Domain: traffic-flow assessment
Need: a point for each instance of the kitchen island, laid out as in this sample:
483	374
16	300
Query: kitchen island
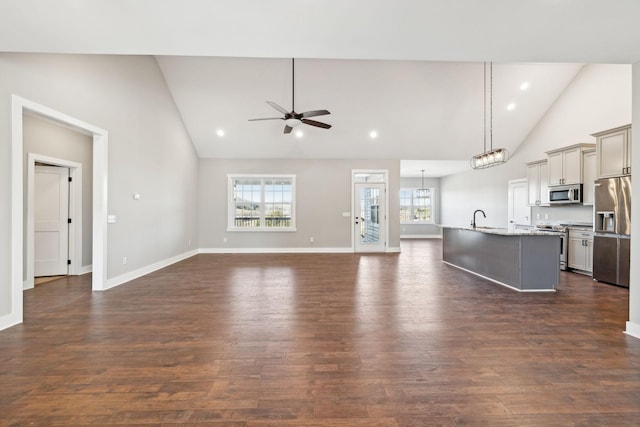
524	260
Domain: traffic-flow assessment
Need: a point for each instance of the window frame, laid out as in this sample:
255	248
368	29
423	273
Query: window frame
231	204
413	206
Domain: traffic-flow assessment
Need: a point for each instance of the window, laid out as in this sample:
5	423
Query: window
414	208
259	203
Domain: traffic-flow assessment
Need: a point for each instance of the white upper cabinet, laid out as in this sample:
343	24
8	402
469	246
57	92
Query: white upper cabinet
538	190
565	164
589	175
613	149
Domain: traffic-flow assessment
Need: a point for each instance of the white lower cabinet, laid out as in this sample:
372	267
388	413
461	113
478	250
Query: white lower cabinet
580	250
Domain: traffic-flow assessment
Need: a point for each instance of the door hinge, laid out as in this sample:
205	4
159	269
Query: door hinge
69	220
70	179
68	262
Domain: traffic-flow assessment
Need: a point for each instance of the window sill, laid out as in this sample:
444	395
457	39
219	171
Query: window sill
261	230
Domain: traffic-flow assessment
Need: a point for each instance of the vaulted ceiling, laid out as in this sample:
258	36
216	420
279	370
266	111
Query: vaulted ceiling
410	70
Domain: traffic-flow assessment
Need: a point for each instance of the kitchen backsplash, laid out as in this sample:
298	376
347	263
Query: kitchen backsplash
577	213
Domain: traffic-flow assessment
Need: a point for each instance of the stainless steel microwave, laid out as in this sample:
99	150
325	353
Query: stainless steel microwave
565	194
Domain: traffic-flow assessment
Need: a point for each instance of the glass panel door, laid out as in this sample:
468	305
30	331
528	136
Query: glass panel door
370	217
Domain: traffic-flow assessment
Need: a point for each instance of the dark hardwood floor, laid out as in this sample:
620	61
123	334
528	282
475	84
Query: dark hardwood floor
320	340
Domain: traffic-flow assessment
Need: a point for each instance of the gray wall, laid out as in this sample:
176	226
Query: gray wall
599	98
48	139
426	230
323	193
149	151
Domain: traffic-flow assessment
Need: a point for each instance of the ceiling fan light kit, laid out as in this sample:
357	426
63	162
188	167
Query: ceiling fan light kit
291	118
493	157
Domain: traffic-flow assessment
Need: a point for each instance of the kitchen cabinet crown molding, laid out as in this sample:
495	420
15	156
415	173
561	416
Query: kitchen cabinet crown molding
608	131
584	146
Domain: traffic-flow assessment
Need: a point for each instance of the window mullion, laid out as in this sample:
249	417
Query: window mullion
263	219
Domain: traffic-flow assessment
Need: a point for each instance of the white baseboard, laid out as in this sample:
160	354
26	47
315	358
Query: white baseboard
84	269
633	329
274	250
8	321
394	249
127	277
28	284
421	236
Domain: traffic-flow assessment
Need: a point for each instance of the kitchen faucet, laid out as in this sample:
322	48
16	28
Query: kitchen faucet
473	223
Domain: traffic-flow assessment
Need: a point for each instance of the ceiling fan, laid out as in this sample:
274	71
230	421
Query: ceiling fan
291	118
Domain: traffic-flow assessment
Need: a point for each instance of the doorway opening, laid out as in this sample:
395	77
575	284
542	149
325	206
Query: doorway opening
20	106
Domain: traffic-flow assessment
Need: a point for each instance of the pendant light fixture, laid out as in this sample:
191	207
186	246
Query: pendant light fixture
497	156
423	193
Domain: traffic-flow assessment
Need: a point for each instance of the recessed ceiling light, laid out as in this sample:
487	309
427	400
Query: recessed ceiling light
299	134
220	132
373	134
511	106
524	86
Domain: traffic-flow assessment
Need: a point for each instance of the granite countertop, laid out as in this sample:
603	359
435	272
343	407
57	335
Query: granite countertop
504	231
578	224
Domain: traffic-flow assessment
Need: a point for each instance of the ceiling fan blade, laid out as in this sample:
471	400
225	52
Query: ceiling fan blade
267	118
277	107
288	129
315	113
315	123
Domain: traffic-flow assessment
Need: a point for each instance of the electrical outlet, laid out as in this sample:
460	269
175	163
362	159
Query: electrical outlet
537	216
189	243
124	260
310	239
546	216
224	240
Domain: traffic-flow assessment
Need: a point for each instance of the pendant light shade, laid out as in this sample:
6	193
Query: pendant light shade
492	157
423	193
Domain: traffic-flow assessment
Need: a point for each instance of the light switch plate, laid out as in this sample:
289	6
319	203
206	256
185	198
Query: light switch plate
111	219
346	214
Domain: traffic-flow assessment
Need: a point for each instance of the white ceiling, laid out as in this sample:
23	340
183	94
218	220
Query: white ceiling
410	69
421	110
582	31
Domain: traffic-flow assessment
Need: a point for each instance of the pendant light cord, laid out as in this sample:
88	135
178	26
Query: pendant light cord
484	117
491	105
293	84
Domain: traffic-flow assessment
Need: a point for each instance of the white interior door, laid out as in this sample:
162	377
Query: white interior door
519	211
370	217
51	226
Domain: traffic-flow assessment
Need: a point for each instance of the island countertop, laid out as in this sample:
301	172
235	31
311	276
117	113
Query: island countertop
524	260
503	231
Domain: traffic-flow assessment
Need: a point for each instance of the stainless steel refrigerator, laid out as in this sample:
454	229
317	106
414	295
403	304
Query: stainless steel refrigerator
612	226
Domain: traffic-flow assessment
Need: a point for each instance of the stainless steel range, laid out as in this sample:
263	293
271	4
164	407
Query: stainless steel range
563	232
